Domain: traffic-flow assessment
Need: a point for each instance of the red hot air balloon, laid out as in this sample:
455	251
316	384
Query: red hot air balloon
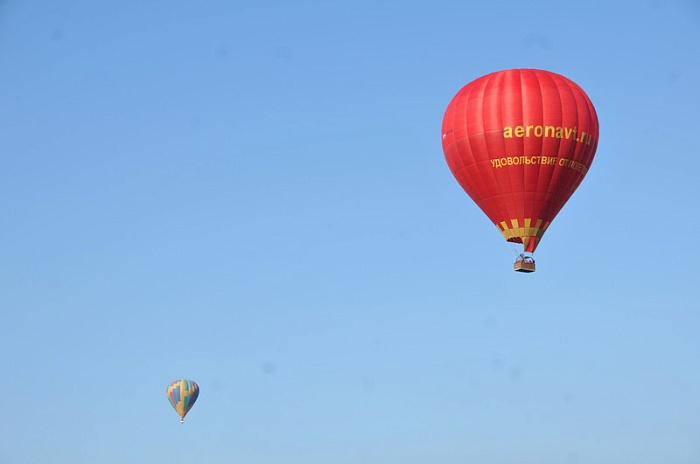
520	142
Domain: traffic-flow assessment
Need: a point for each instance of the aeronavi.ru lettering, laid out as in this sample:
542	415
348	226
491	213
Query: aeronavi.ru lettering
557	132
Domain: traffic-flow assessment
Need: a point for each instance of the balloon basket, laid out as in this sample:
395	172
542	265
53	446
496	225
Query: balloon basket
524	264
524	267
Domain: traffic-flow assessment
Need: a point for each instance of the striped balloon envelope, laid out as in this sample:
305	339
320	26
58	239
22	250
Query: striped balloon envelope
182	395
520	142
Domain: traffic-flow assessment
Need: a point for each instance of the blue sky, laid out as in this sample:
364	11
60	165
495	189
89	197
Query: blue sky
254	196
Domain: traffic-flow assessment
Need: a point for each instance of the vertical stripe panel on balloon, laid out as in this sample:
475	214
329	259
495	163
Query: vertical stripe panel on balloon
534	111
507	91
552	117
505	200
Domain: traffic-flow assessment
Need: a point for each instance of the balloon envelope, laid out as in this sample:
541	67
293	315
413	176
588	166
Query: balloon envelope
182	395
520	142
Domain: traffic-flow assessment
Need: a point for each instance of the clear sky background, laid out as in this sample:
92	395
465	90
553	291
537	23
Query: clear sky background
253	195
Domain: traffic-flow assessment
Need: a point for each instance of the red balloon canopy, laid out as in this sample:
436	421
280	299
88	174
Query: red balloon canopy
520	142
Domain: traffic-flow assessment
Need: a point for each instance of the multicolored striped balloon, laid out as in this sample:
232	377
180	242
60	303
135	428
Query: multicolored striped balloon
182	395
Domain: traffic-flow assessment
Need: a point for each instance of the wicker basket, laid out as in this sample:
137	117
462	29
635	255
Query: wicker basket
524	266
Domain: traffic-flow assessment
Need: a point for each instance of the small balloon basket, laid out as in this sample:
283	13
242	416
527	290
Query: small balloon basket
524	264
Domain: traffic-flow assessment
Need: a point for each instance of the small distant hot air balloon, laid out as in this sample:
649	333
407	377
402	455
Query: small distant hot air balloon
519	142
182	394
